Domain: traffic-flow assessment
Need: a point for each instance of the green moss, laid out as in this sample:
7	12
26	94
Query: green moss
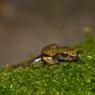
76	78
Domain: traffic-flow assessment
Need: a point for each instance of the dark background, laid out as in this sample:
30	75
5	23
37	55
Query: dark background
28	25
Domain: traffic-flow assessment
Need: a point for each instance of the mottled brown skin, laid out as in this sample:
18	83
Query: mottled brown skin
55	54
52	54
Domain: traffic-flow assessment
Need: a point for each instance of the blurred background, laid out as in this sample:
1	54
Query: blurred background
28	25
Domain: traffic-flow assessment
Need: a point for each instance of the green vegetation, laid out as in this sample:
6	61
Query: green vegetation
76	78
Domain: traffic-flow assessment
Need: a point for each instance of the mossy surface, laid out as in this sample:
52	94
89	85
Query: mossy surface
76	78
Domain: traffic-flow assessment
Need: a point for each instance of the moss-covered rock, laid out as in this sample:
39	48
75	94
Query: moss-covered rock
76	78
